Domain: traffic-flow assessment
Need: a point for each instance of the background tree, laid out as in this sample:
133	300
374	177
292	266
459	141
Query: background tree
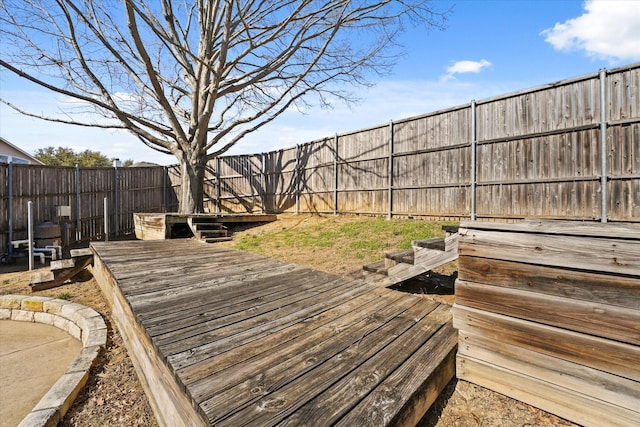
63	156
191	78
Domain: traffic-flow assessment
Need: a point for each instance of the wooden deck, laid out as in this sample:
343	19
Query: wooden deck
227	338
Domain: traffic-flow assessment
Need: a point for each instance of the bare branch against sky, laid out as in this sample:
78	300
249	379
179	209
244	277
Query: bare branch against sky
192	78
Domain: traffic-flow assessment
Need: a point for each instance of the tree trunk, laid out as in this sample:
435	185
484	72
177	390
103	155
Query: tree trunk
191	186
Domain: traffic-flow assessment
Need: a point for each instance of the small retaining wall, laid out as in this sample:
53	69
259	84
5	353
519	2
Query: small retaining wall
548	313
80	322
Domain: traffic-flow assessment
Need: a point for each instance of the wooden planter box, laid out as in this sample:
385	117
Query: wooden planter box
548	313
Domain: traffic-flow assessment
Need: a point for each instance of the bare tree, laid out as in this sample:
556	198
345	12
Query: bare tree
193	77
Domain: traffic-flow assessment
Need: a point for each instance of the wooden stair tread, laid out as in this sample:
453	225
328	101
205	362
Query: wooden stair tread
376	267
450	228
216	239
207	229
212	232
405	256
62	270
434	243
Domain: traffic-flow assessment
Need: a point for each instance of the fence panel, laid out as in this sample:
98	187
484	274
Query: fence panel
127	190
538	153
316	180
241	183
280	180
363	171
139	190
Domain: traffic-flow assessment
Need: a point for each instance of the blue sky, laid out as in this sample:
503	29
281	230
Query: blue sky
488	48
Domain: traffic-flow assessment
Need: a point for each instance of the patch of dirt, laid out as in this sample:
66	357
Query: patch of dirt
113	395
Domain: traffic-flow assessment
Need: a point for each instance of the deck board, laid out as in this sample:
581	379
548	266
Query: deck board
232	338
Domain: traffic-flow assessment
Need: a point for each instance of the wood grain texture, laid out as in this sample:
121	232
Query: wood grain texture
170	405
628	231
605	254
245	340
563	402
548	312
561	282
607	355
592	318
582	379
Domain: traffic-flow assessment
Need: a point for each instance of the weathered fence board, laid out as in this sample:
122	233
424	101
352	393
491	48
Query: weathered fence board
538	153
128	190
532	154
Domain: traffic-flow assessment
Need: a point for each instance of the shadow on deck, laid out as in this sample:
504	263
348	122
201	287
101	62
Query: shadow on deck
228	338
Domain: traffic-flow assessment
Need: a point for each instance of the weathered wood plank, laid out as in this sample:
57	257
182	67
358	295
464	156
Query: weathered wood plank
238	282
250	328
285	396
564	227
428	370
209	323
228	342
314	328
549	397
607	355
579	378
612	255
579	285
234	341
171	406
194	301
601	320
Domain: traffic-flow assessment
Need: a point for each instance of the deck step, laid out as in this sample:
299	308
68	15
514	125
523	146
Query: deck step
62	264
376	267
216	239
450	229
434	243
203	234
209	226
207	230
62	270
405	257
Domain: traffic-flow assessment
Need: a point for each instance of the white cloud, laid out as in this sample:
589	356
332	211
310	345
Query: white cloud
461	67
607	30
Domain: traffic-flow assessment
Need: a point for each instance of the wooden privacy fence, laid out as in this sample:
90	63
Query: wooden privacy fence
568	150
127	190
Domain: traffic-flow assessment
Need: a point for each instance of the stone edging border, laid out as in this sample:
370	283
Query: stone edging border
84	324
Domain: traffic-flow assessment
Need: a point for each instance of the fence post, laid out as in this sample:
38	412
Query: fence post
473	172
78	220
106	220
116	215
335	175
263	182
297	178
219	182
390	169
10	213
603	143
30	232
164	188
